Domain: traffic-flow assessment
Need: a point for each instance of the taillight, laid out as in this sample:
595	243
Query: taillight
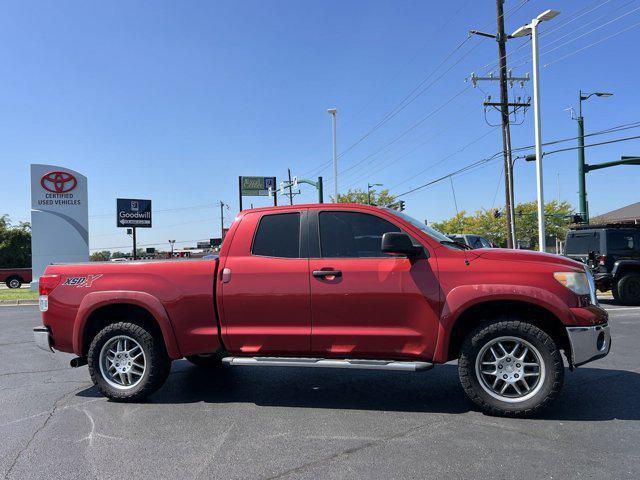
602	259
47	283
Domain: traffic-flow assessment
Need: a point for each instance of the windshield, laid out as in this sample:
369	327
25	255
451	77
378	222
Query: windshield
432	232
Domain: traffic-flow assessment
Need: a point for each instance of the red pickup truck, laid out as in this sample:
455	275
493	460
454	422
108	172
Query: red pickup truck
334	285
15	277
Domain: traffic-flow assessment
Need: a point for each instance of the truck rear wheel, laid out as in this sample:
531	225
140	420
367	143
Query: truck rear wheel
629	289
14	282
127	362
510	368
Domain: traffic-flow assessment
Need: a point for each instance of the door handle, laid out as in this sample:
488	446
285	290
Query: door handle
327	273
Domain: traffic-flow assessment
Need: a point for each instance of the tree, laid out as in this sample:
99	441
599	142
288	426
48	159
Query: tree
484	222
120	255
15	244
102	256
382	199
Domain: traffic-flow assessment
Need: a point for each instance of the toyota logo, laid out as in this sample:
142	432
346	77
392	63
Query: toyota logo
58	182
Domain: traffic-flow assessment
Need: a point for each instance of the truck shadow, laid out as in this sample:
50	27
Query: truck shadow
590	394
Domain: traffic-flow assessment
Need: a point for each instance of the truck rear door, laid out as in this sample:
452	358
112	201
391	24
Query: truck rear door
265	286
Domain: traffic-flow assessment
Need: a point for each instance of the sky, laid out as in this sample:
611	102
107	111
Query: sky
172	101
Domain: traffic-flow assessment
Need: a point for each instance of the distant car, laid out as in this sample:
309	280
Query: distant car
15	277
613	254
472	241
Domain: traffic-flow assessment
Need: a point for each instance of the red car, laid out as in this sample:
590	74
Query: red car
15	277
337	285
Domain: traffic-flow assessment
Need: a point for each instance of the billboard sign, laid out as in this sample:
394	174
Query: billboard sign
133	213
59	217
257	186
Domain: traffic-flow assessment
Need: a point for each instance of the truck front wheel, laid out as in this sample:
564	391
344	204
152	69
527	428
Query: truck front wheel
127	362
510	368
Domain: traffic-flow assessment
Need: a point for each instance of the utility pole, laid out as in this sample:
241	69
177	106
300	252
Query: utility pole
506	131
222	205
290	187
503	107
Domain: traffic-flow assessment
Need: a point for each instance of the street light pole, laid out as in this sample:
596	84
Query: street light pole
538	136
583	205
532	29
333	113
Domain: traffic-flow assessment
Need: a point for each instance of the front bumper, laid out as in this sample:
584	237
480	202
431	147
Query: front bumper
42	336
589	343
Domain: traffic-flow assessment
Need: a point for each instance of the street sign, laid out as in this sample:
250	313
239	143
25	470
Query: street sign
133	213
257	186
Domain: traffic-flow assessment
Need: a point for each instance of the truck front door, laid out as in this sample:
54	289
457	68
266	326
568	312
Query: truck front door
265	286
366	303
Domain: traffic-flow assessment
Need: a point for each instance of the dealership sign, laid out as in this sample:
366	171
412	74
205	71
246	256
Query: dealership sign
59	217
133	213
257	186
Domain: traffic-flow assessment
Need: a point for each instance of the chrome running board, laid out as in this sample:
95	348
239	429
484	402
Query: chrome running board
328	363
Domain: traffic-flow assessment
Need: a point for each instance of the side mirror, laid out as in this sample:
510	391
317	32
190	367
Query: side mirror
399	243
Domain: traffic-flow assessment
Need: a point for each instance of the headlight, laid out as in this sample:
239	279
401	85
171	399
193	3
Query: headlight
577	282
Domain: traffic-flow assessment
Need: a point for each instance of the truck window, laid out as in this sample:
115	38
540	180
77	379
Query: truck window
582	242
620	241
352	234
278	236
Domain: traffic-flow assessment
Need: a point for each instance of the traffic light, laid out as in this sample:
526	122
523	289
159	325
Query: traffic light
497	213
577	218
401	205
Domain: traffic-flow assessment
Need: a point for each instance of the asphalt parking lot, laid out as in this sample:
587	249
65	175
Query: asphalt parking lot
252	422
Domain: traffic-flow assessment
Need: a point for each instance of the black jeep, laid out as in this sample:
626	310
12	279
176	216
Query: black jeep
613	254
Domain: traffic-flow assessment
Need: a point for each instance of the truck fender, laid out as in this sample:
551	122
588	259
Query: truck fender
622	264
93	301
461	298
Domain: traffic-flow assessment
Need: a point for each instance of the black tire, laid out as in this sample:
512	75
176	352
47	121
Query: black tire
210	360
629	289
615	292
542	393
157	362
13	282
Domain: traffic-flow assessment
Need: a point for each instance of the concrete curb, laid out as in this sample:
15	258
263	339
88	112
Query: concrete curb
17	303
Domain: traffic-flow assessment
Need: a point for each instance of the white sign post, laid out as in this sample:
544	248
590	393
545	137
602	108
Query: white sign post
59	218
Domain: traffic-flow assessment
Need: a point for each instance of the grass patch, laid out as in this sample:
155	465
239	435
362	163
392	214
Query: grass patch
18	294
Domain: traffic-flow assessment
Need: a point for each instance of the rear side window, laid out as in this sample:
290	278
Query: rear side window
582	243
352	234
278	236
621	241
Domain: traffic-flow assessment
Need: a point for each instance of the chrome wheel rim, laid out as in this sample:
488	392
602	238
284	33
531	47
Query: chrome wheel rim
510	369
122	362
14	283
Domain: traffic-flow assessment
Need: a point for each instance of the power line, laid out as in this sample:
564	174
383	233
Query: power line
447	157
408	98
385	163
591	45
584	34
412	96
488	159
569	19
408	130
